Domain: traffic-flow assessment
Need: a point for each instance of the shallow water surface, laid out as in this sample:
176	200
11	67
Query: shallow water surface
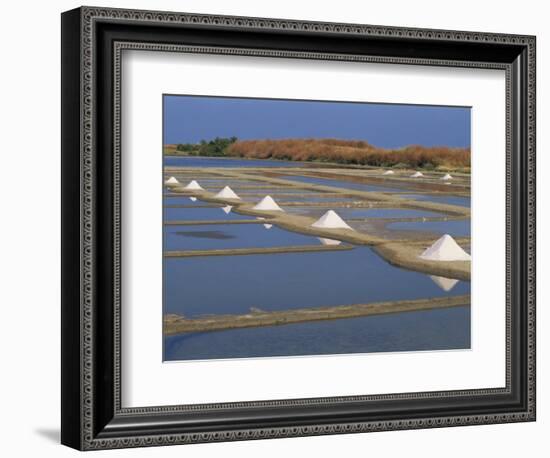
201	214
195	287
292	197
346	212
290	280
182	200
457	228
225	236
342	184
443	329
451	200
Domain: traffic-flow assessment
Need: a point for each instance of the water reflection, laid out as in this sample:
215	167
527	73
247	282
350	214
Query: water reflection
446	284
443	329
342	184
289	280
361	212
329	242
457	228
450	200
199	214
226	236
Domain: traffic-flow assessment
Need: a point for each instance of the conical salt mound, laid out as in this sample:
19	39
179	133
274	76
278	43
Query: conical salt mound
446	177
172	180
446	284
227	193
331	220
417	175
193	185
389	172
267	204
445	249
193	199
227	209
329	242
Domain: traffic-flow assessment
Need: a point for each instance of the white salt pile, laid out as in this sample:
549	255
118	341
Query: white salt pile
193	186
227	193
267	204
172	180
331	220
417	175
446	177
445	249
389	172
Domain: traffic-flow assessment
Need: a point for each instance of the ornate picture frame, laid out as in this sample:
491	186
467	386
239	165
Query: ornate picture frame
93	416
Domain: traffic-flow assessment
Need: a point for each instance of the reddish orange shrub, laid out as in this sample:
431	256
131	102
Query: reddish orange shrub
351	152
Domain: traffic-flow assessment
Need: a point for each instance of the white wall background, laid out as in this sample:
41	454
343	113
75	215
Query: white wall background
30	214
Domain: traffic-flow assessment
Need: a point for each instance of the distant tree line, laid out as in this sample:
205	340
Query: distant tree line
332	150
216	147
353	152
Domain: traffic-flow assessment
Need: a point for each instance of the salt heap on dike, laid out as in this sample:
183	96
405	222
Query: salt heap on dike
389	172
172	180
446	177
331	220
446	284
227	209
267	204
445	249
329	242
193	186
227	193
417	175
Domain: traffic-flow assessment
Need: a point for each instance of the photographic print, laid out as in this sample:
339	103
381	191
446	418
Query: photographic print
294	212
304	227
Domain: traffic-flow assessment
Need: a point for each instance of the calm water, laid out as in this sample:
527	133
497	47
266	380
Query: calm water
219	184
290	280
342	184
295	198
204	285
181	200
364	212
319	198
280	190
173	161
451	200
458	228
443	329
223	236
200	214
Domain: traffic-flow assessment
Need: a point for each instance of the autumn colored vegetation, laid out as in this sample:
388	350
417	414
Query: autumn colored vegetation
352	152
170	149
330	150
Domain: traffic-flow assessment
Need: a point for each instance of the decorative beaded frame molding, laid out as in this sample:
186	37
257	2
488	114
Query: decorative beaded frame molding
89	15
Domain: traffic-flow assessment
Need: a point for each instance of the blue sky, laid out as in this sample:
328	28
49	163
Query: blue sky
189	119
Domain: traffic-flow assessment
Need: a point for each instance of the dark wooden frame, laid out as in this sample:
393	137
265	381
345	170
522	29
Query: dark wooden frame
92	40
